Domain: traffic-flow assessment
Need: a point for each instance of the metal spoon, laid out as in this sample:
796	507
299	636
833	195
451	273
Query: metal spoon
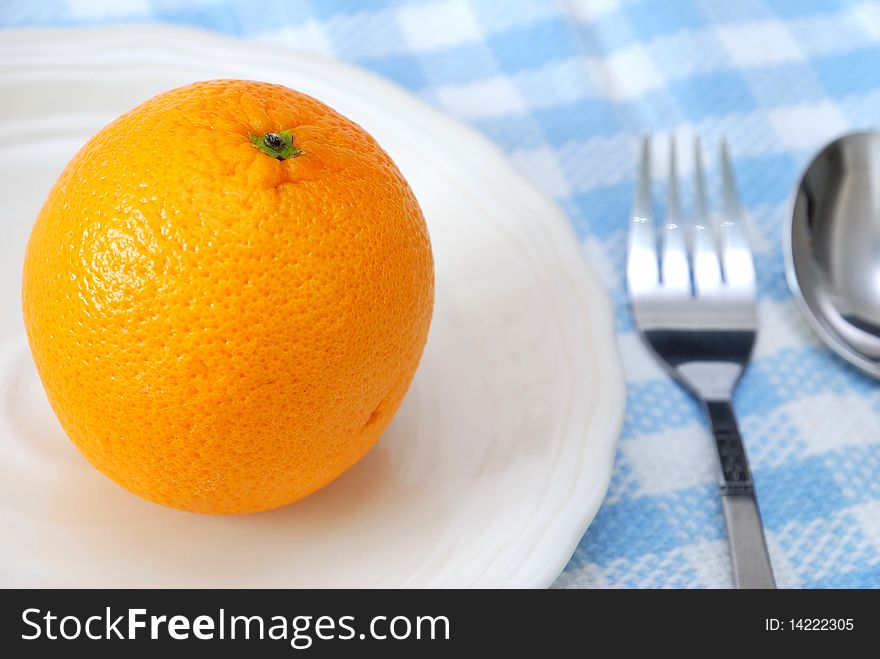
832	248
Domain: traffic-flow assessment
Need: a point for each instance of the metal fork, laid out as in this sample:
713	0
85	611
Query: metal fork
694	301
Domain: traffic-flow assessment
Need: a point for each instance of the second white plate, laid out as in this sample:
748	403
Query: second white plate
498	459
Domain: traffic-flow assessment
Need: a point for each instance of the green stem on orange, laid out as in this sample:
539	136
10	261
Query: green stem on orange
278	145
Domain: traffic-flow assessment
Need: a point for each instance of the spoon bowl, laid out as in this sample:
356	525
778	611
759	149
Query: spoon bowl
833	248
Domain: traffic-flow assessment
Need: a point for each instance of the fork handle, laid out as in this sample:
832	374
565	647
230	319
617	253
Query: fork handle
748	548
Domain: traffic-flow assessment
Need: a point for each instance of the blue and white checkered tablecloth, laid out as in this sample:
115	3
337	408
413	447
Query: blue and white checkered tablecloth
564	88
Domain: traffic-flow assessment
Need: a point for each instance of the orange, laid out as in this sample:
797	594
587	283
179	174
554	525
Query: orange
226	294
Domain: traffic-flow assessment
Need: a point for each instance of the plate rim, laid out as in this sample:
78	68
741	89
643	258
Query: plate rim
562	536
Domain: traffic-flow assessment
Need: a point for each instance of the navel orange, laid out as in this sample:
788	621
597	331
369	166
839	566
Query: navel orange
226	294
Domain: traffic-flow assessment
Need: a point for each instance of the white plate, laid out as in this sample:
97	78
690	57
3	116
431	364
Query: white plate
498	459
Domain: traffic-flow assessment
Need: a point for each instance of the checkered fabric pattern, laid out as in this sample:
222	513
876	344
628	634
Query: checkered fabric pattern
565	88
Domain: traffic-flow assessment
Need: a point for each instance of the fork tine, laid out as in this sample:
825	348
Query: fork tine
707	267
642	268
736	253
643	194
674	268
